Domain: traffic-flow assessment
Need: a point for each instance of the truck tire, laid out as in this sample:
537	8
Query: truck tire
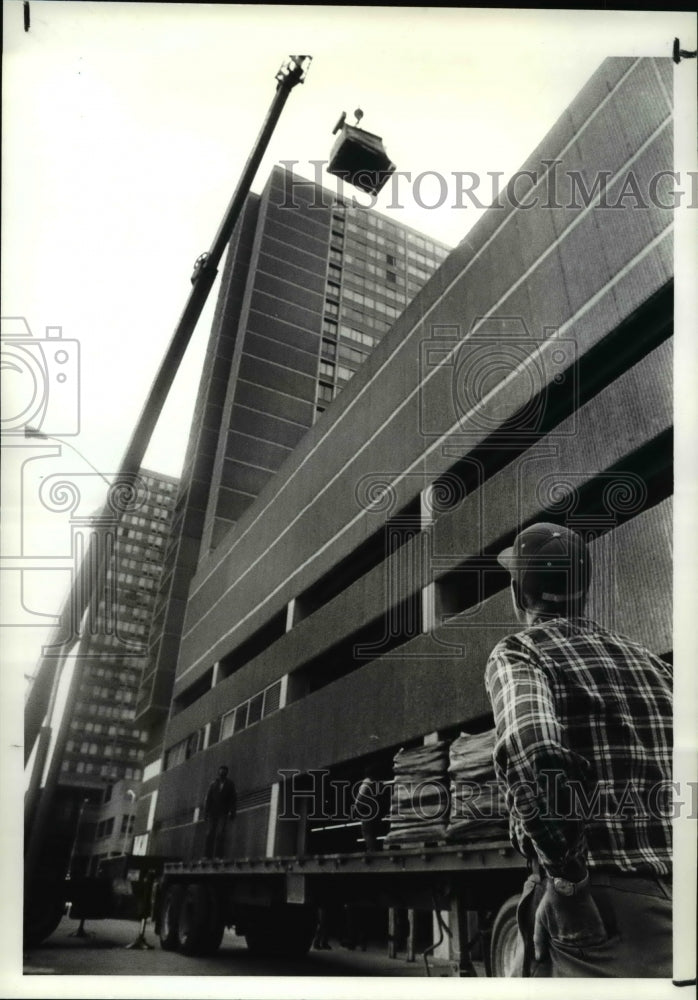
169	917
199	930
215	925
504	942
44	907
281	932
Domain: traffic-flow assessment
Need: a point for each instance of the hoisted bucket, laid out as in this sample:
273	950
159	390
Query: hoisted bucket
359	158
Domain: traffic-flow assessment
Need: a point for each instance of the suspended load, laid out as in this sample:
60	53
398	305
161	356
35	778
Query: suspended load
359	157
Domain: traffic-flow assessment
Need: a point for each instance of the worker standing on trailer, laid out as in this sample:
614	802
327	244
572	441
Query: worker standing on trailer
583	744
220	805
368	808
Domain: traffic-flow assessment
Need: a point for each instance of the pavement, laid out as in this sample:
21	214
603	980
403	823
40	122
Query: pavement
104	953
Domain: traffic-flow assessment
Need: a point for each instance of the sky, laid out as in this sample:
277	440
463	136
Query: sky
125	128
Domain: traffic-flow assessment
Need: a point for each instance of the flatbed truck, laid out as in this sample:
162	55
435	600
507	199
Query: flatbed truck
274	902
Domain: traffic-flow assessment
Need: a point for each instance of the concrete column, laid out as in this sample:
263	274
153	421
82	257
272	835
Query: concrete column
392	929
428	608
411	922
283	692
442	950
271	825
290	614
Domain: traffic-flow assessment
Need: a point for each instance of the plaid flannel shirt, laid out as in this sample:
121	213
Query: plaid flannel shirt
583	723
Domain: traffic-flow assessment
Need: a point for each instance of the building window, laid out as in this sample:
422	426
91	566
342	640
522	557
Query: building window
329	327
324	392
327	369
329	348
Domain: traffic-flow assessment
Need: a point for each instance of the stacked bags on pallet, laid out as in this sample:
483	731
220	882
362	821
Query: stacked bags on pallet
419	804
477	804
446	793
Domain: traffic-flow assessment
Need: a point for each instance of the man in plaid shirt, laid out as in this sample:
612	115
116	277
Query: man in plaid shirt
583	750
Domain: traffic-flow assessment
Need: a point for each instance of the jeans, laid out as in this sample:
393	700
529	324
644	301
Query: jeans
637	914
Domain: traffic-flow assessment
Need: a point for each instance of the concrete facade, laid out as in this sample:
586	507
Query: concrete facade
351	609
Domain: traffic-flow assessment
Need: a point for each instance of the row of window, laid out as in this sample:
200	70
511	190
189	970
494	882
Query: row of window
131	548
365	319
117	694
139	521
371	303
131	677
97	728
380	271
366	284
104	750
332	329
367	234
246	714
259	706
160	484
360	338
103	770
185	749
105	711
143	536
331	371
109	639
375	221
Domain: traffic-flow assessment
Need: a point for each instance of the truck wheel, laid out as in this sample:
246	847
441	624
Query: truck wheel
284	932
505	954
169	917
43	909
194	924
215	925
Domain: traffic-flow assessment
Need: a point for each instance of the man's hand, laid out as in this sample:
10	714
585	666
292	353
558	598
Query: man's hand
572	920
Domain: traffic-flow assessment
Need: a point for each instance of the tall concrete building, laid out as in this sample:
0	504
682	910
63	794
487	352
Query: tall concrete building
310	286
351	611
105	746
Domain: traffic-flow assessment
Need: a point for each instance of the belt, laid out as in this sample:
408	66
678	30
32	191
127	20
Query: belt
627	880
599	876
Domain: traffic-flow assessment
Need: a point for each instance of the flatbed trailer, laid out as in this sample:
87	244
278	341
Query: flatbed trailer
471	888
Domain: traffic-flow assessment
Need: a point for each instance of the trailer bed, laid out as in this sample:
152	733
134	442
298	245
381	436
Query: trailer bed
476	855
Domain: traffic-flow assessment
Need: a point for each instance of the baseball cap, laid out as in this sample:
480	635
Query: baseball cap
549	561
